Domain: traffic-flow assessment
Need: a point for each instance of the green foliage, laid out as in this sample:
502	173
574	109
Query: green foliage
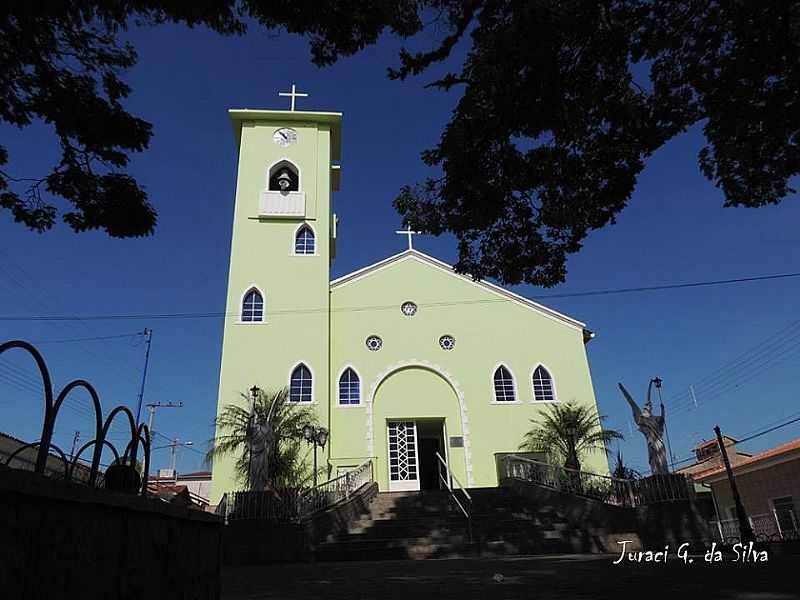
567	432
622	471
288	460
62	63
562	102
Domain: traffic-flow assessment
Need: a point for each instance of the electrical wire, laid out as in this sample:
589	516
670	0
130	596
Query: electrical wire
204	315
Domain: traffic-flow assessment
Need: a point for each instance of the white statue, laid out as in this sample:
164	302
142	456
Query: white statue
652	427
262	444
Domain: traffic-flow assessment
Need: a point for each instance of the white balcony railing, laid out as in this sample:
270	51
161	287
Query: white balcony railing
282	204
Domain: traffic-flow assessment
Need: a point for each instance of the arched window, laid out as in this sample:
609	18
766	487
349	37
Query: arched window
304	242
284	177
349	387
503	385
543	390
300	388
252	307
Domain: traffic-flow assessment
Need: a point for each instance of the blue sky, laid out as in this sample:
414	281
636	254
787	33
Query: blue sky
674	230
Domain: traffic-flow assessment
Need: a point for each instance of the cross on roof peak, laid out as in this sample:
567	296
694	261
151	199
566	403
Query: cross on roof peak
407	231
293	94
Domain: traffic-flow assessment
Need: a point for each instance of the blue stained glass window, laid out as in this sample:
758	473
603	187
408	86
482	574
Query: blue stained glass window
503	385
304	242
253	307
349	387
300	386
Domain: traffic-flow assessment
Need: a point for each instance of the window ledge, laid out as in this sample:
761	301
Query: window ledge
506	403
359	405
250	322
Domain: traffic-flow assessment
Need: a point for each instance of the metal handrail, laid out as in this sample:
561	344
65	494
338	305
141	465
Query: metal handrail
448	482
604	488
339	488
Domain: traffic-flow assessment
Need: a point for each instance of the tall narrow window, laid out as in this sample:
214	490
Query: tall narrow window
300	385
349	387
304	242
253	307
503	385
543	385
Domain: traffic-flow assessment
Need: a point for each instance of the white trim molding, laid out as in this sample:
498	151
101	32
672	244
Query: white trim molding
555	399
361	402
313	383
240	308
435	262
494	400
369	400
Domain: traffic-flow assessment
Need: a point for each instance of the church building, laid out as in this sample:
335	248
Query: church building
401	359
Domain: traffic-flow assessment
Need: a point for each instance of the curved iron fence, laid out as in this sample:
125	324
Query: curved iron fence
139	435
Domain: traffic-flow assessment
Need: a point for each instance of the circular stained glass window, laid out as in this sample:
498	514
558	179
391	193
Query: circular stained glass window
409	309
374	343
447	342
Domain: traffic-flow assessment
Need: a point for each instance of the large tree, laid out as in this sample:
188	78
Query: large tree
562	102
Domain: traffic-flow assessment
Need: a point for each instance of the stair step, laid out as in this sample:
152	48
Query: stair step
425	525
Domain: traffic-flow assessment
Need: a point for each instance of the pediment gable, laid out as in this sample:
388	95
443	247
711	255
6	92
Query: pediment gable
428	261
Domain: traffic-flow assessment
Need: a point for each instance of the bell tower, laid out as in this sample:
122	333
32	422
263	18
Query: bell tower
284	234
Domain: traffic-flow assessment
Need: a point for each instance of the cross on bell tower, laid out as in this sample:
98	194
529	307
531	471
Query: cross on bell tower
293	94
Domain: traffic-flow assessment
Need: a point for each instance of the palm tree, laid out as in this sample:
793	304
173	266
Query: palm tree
623	471
567	432
288	467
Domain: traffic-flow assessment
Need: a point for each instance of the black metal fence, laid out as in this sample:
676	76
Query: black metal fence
121	475
290	505
603	488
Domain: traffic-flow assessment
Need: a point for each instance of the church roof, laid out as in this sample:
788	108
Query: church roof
412	254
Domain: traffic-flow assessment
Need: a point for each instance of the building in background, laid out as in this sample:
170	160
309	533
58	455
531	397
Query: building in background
26	459
197	484
769	485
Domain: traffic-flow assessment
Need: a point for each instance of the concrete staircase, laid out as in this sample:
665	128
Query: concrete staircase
421	525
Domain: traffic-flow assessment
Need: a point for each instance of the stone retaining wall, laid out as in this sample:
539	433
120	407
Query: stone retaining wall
65	540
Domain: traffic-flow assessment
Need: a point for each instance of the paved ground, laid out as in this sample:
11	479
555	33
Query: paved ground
537	577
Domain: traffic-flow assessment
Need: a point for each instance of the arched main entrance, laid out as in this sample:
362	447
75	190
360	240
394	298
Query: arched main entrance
415	411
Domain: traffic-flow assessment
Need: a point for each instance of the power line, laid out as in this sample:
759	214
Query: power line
205	315
88	339
31	292
763	430
766	354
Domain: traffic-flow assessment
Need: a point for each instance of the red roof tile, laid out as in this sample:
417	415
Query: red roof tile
776	451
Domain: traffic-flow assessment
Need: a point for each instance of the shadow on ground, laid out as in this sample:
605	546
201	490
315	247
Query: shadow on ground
535	577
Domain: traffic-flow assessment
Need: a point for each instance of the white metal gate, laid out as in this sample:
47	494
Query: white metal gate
403	459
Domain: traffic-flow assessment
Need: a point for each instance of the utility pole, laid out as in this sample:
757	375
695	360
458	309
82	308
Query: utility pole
152	409
745	531
148	335
75	439
174	459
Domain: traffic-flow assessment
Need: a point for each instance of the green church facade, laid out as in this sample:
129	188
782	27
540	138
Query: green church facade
402	359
